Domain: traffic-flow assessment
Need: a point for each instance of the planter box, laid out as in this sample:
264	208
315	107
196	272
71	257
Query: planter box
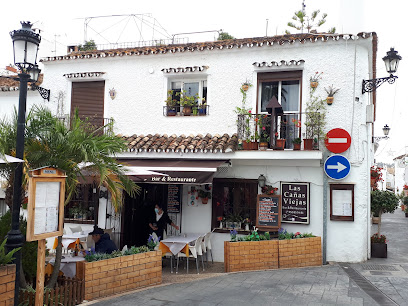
302	252
250	255
115	275
378	250
7	284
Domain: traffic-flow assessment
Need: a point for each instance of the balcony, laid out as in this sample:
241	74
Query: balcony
264	128
92	124
200	110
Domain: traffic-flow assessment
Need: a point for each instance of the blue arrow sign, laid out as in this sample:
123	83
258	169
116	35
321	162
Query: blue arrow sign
337	167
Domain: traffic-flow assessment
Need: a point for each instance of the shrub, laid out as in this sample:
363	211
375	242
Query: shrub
383	202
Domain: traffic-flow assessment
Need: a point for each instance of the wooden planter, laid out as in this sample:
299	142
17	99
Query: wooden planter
115	275
250	255
378	250
308	144
7	284
272	254
301	252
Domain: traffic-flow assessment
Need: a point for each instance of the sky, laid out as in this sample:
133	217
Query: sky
62	23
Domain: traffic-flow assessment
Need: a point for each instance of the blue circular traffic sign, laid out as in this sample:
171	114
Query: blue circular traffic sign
337	167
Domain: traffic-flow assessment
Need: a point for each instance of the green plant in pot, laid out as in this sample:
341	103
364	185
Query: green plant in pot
188	102
383	202
297	142
234	221
202	109
315	120
171	103
378	246
331	91
204	195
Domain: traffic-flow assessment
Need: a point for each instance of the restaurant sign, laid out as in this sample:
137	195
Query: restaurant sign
295	202
181	177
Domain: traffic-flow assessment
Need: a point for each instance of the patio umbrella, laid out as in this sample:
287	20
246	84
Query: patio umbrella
10	159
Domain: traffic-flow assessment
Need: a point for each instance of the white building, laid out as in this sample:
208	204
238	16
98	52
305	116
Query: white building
130	86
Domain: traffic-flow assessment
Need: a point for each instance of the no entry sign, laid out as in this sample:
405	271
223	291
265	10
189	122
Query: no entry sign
337	140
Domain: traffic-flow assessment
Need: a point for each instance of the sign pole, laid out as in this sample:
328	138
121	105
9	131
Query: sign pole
39	290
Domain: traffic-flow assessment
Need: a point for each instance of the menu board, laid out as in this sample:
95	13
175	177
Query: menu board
47	200
268	212
295	202
173	198
342	202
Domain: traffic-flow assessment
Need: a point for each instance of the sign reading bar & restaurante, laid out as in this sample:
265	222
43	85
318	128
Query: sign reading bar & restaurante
295	202
267	212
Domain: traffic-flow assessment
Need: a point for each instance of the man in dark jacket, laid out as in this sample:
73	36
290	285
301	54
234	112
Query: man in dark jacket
103	244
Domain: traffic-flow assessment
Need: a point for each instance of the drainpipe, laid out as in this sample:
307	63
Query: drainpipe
325	189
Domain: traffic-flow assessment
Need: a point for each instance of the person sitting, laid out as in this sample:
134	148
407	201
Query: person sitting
103	244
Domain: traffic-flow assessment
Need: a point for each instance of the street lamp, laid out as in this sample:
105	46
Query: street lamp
25	48
386	130
391	61
262	181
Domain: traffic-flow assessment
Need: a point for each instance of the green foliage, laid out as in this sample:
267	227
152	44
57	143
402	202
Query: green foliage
405	200
88	46
224	35
29	249
315	116
204	194
297	140
170	101
377	238
91	256
285	235
383	202
302	22
5	259
186	100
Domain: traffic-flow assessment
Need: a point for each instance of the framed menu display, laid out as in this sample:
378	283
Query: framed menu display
342	202
268	212
46	194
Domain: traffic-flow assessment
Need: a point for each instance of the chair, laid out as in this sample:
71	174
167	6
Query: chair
76	229
207	243
194	251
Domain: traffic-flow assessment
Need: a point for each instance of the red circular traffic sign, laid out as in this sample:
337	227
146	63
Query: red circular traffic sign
337	140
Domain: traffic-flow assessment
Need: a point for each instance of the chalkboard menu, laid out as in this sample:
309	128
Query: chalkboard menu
267	212
295	202
173	198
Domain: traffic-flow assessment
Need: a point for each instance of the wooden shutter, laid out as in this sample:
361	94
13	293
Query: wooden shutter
88	97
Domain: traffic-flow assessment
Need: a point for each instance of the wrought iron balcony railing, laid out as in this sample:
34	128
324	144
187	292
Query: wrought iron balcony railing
289	126
170	111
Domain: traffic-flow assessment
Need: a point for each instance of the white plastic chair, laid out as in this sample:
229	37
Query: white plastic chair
76	229
194	251
208	247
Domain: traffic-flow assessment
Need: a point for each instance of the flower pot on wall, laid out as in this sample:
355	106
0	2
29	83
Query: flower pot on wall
204	200
263	146
314	84
308	144
379	250
202	112
329	100
403	207
171	111
245	87
280	144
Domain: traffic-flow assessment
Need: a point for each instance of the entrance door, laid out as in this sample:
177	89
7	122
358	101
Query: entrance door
137	213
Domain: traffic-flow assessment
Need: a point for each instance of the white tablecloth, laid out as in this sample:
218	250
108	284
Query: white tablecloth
177	243
68	265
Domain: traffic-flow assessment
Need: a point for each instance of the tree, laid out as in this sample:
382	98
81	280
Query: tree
51	142
383	202
224	35
88	46
304	22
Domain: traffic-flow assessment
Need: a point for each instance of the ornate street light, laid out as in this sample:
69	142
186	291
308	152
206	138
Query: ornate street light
386	130
25	48
262	181
391	61
35	73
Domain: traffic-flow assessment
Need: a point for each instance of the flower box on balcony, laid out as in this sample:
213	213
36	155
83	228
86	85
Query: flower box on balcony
111	276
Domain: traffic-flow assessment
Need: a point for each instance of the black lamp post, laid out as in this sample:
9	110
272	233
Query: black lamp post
25	47
386	130
391	61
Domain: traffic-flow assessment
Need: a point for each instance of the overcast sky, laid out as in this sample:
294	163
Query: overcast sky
62	23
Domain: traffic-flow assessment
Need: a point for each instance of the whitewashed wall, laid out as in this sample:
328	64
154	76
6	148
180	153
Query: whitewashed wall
138	109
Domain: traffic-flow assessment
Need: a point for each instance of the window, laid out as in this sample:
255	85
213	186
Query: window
234	197
286	87
83	206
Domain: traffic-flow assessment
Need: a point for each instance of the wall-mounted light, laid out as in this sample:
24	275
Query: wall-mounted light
386	130
261	181
391	61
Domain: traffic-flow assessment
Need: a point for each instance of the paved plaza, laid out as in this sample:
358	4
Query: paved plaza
376	282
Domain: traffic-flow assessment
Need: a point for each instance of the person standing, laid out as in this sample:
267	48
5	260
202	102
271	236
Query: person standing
161	219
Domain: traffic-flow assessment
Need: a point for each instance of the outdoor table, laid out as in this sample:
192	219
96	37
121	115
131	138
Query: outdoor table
68	265
68	240
176	244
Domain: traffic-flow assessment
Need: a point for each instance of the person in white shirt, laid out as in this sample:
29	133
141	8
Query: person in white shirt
158	224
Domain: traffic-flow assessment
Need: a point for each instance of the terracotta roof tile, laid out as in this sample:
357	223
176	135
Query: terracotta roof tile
8	84
221	44
191	143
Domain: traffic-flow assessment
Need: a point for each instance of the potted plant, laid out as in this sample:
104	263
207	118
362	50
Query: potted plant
405	190
314	79
171	104
263	133
8	273
202	110
204	195
233	221
315	120
297	142
383	202
188	102
280	142
331	91
245	86
378	246
375	176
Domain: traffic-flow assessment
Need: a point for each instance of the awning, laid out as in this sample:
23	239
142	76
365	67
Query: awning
178	171
10	159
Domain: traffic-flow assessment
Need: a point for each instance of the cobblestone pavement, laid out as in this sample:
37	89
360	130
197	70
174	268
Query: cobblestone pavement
379	281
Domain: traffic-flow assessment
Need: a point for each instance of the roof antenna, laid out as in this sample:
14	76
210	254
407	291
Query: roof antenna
266	34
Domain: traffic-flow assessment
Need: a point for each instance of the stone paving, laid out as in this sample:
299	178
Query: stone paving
326	285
